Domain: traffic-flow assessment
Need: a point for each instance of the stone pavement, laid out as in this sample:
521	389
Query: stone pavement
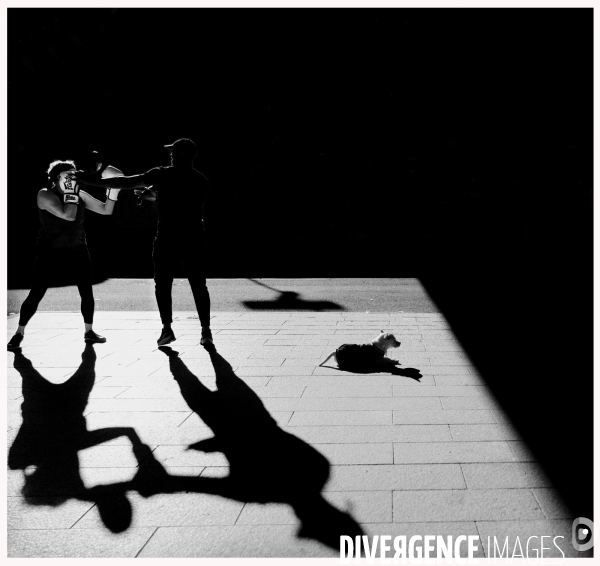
434	456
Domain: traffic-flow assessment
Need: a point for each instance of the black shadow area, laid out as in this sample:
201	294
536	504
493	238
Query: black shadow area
290	301
52	433
529	334
266	464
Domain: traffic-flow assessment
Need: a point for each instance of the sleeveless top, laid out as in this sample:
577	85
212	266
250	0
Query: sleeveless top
56	232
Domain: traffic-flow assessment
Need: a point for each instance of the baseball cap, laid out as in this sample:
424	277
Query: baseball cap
183	144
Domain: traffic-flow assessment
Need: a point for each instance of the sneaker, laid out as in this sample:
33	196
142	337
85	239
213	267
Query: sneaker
166	337
93	338
15	341
207	339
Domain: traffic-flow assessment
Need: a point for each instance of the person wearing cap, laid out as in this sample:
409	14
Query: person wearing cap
180	191
62	247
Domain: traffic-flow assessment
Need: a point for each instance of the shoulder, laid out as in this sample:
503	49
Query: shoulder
111	171
45	196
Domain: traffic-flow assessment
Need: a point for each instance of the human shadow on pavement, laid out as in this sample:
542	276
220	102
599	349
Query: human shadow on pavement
52	433
266	464
291	301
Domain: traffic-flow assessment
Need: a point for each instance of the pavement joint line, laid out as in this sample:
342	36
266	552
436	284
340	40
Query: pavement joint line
147	541
82	516
537	500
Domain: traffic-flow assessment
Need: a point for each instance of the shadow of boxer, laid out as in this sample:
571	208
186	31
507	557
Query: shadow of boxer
266	464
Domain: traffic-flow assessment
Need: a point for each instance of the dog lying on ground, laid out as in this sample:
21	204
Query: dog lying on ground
365	356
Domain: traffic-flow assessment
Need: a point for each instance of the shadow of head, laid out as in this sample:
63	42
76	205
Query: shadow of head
266	463
114	509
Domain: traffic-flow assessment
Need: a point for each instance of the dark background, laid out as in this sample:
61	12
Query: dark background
454	145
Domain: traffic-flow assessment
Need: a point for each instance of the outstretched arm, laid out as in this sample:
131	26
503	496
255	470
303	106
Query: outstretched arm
120	182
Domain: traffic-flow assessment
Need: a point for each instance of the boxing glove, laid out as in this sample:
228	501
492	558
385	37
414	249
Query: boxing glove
110	171
112	194
69	187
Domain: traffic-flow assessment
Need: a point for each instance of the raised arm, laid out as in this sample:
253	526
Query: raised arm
105	208
47	200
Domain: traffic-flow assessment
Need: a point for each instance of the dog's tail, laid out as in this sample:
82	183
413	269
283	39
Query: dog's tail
332	355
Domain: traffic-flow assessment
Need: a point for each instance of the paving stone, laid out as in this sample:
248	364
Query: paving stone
52	374
303	330
504	475
448	370
136	420
136	405
282	418
322	418
106	456
552	504
253	332
442	346
395	477
260	362
347	453
443	417
267	514
312	362
469	403
74	543
272	352
499	538
45	512
483	432
438	391
455	452
173	509
13	393
296	340
348	380
341	391
364	506
41	362
465	505
180	456
247	541
275	371
361	434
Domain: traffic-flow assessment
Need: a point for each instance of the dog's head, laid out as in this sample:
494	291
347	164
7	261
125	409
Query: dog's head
387	340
